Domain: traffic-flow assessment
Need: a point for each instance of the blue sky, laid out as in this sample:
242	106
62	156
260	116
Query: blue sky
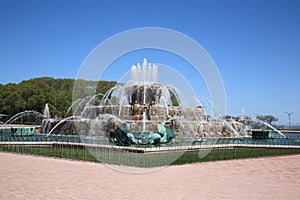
255	44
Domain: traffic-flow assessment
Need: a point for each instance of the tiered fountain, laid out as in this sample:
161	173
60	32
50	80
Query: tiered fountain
143	112
139	116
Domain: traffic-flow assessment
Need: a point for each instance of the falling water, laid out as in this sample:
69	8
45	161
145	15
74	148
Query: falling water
268	125
47	111
144	121
163	101
144	95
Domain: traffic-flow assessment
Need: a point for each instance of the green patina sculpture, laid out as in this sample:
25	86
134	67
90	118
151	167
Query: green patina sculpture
166	131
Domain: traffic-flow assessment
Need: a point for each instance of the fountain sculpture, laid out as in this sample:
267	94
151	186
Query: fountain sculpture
143	112
47	112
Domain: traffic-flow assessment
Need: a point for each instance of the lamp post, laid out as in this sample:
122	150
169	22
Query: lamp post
289	116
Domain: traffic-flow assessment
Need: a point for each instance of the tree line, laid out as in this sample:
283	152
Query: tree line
33	94
265	118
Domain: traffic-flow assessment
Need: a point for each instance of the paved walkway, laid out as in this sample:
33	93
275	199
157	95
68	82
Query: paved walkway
30	177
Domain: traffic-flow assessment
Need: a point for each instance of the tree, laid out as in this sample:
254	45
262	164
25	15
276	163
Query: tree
267	118
33	94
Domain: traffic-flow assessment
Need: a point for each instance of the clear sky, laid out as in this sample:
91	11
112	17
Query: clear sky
255	44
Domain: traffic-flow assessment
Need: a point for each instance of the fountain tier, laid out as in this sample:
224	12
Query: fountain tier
142	111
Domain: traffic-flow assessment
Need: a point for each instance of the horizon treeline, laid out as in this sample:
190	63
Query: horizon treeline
33	94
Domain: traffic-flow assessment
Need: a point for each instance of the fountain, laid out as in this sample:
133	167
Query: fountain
143	112
23	114
141	122
140	111
47	112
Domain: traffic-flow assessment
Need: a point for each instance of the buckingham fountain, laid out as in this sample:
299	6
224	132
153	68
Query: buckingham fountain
143	112
140	122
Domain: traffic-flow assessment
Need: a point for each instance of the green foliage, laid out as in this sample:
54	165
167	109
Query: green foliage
33	94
